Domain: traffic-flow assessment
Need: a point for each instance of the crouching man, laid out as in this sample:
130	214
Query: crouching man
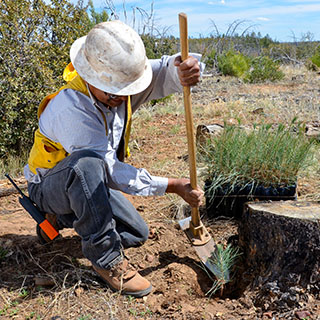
75	170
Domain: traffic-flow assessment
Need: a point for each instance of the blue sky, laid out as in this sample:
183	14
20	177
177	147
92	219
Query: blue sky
285	20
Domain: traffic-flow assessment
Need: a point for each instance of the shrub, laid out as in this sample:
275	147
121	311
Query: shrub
35	39
163	100
263	69
156	47
313	63
315	59
210	59
233	64
264	156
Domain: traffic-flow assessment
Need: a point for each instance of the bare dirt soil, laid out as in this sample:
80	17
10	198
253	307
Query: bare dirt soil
55	281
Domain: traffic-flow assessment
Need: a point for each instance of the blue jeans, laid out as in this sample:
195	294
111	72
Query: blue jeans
76	190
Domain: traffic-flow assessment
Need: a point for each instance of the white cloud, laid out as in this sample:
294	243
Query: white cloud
212	3
263	19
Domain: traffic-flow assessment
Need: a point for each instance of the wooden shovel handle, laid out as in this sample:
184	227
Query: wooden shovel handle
183	24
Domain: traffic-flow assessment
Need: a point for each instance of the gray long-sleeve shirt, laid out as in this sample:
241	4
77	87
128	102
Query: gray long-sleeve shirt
73	120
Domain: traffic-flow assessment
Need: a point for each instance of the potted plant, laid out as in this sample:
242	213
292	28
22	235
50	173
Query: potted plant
258	164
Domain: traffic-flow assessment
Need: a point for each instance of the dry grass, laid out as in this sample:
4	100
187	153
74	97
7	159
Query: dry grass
55	285
228	98
13	164
309	180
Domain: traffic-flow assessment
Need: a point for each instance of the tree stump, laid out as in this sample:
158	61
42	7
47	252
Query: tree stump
281	245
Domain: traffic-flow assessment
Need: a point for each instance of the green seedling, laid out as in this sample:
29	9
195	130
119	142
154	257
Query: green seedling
222	262
264	156
23	293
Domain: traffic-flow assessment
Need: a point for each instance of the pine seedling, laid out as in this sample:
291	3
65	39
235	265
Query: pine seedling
222	262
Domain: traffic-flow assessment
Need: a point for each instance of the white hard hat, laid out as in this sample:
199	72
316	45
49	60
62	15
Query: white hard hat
112	58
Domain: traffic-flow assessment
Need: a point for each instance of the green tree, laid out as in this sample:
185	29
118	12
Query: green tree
35	39
159	46
233	63
97	17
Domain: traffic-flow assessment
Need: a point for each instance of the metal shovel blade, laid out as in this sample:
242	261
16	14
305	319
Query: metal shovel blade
203	251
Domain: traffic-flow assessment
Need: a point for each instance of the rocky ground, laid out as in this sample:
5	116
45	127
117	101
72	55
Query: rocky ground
55	281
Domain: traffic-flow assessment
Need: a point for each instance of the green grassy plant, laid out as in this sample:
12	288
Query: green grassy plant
13	165
264	156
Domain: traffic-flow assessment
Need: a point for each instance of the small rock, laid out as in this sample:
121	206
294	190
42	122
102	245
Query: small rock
141	208
149	258
302	314
258	111
141	266
187	308
165	305
153	234
268	315
78	291
246	302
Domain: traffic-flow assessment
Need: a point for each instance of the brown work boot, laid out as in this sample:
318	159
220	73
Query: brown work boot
124	278
43	238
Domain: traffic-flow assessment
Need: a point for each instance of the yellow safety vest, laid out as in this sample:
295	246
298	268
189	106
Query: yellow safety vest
46	153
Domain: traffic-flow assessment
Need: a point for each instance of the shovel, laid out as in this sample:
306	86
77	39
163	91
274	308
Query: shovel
192	226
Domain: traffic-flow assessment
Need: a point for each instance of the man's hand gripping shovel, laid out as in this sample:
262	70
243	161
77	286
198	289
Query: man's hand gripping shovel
193	227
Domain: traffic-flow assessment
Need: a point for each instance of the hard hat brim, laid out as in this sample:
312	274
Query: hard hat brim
84	69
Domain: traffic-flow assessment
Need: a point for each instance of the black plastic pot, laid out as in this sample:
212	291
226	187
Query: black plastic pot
231	203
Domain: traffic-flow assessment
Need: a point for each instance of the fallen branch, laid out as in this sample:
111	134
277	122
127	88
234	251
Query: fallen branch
4	192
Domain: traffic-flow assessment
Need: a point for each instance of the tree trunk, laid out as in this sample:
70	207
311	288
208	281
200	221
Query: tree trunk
281	244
